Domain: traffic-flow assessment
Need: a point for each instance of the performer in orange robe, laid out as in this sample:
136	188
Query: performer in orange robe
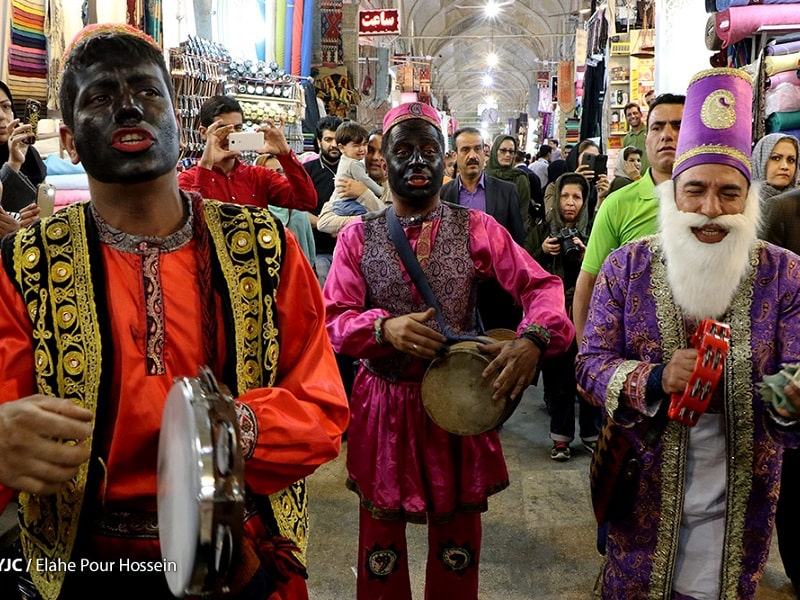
105	303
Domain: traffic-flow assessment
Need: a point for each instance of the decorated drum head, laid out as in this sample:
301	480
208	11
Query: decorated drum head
178	487
201	487
455	395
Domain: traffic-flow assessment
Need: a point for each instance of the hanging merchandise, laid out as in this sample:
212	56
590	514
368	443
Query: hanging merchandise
27	54
288	37
336	92
381	77
307	43
331	16
566	85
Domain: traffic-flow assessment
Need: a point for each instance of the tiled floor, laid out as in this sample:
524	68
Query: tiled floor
538	536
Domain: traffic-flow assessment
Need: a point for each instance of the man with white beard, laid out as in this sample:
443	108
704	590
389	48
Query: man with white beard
700	517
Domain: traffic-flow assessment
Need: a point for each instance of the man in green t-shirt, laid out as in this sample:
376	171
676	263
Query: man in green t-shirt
631	212
637	132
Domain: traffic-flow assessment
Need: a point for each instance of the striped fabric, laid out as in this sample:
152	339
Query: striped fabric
27	53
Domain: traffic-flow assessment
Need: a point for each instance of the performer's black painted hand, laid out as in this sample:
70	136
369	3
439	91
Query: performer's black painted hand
516	362
43	441
408	334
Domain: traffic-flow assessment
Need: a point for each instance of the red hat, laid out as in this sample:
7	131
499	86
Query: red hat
411	110
96	29
717	121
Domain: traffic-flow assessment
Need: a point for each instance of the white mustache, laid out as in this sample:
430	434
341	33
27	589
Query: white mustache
727	222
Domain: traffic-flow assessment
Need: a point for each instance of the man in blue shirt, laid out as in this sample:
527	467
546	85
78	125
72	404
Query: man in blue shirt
475	189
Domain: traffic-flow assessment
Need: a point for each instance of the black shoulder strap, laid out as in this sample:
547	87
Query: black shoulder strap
418	277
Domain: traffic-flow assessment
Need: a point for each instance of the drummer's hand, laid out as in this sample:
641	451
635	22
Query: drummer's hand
409	335
678	370
516	362
33	454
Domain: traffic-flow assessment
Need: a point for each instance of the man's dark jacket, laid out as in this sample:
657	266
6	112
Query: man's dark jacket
495	306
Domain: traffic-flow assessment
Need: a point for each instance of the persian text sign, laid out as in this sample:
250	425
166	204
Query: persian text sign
379	22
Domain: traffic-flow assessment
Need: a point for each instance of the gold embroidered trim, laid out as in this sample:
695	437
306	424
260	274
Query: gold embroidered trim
248	249
52	268
617	383
740	428
717	72
738	411
675	438
713	149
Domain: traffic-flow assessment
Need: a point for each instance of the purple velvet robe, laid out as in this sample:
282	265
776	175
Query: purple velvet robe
634	325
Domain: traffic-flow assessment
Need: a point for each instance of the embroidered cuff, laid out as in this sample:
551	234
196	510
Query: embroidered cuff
538	335
248	429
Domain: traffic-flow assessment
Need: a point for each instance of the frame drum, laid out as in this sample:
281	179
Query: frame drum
455	395
200	486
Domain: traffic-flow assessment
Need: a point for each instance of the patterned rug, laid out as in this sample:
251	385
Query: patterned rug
331	15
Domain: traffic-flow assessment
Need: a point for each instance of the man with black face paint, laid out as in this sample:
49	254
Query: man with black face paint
404	467
105	303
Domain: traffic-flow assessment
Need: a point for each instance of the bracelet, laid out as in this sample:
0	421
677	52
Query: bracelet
538	335
378	330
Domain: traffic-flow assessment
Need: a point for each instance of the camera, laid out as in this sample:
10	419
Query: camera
568	248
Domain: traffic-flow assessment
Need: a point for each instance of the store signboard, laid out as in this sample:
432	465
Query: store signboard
379	22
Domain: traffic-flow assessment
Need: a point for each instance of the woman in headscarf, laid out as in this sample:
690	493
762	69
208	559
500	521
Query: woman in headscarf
501	165
626	170
598	186
21	167
775	165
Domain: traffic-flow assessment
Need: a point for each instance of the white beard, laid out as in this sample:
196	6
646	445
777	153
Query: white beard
703	277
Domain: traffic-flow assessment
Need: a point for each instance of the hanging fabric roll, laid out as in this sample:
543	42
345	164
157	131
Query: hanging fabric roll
287	42
308	38
269	30
280	31
297	36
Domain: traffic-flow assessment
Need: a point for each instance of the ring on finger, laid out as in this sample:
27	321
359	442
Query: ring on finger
415	347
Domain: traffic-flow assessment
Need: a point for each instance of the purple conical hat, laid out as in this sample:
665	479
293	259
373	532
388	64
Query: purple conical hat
717	121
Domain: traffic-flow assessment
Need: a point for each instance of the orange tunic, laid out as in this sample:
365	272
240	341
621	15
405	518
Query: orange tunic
299	422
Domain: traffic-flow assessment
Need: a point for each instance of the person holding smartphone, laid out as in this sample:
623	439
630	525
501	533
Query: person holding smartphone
220	174
583	162
21	167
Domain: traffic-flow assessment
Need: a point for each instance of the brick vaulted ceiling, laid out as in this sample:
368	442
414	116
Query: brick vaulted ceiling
527	36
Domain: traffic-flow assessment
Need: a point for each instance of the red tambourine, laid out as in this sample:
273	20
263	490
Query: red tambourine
712	339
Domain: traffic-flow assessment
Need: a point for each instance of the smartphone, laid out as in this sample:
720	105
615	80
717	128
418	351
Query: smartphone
601	164
31	117
589	160
46	199
246	140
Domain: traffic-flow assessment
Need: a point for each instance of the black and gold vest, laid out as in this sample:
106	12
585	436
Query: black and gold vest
58	270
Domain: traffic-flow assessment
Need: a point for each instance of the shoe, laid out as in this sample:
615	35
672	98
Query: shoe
560	451
590	446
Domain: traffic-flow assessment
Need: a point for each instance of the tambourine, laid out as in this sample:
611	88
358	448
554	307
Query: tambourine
201	493
456	396
712	340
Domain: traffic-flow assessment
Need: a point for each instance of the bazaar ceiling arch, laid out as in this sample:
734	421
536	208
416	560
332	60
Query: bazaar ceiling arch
527	37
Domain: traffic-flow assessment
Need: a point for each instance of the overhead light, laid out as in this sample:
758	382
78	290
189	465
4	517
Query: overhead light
492	9
487	80
492	59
